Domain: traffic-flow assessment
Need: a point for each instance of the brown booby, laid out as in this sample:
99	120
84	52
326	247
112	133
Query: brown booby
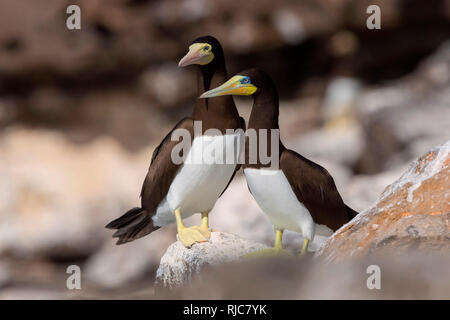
298	195
173	191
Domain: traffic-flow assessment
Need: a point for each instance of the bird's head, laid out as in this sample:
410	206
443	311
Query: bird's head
202	51
245	83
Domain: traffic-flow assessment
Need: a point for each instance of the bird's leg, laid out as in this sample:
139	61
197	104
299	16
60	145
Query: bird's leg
204	225
188	236
304	247
205	222
203	228
278	245
276	250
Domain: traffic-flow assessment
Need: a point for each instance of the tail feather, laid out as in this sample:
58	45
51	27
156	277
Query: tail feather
134	224
124	219
351	213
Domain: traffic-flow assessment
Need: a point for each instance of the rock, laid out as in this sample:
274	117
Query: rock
4	274
33	293
115	266
168	85
50	104
341	139
121	35
289	26
413	213
111	76
402	277
180	264
340	96
409	115
56	196
342	142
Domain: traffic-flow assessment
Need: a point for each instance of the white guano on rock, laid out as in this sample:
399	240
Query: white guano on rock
179	264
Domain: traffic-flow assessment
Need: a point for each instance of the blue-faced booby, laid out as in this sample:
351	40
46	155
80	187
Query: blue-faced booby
174	191
299	195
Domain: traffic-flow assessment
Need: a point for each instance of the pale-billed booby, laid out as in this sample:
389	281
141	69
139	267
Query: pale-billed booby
173	191
299	195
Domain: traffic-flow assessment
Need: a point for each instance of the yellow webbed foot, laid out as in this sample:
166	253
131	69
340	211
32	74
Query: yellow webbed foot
268	252
277	249
203	230
189	236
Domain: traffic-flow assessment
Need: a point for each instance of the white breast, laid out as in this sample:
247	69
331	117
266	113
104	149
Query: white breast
274	195
202	178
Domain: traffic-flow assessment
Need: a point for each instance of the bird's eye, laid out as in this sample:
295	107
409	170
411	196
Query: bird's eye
206	48
245	80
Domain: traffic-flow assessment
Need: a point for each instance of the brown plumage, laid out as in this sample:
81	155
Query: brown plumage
315	188
312	184
220	113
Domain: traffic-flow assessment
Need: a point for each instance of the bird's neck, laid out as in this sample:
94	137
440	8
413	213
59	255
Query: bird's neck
265	109
218	112
263	134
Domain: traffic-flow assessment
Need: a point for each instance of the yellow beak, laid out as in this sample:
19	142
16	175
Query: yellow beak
231	87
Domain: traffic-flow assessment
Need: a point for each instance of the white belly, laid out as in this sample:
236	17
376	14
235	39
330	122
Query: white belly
202	178
274	195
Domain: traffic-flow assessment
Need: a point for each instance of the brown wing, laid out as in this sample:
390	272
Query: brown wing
162	169
137	222
315	188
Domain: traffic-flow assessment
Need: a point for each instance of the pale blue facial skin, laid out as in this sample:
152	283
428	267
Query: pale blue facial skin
245	80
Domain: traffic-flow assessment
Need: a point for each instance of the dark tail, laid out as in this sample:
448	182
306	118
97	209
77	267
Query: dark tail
134	224
350	212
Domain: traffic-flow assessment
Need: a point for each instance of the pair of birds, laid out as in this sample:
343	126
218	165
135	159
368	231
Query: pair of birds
299	195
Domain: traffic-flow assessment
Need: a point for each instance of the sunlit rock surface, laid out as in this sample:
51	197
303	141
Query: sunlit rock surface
179	263
413	213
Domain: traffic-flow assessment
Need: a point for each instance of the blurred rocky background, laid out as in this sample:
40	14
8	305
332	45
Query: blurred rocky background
82	110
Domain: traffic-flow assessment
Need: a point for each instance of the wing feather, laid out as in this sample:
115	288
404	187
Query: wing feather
315	188
162	170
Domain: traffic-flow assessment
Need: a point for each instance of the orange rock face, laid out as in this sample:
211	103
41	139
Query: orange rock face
413	213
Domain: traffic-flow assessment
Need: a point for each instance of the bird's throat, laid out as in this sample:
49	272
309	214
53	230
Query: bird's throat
218	112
